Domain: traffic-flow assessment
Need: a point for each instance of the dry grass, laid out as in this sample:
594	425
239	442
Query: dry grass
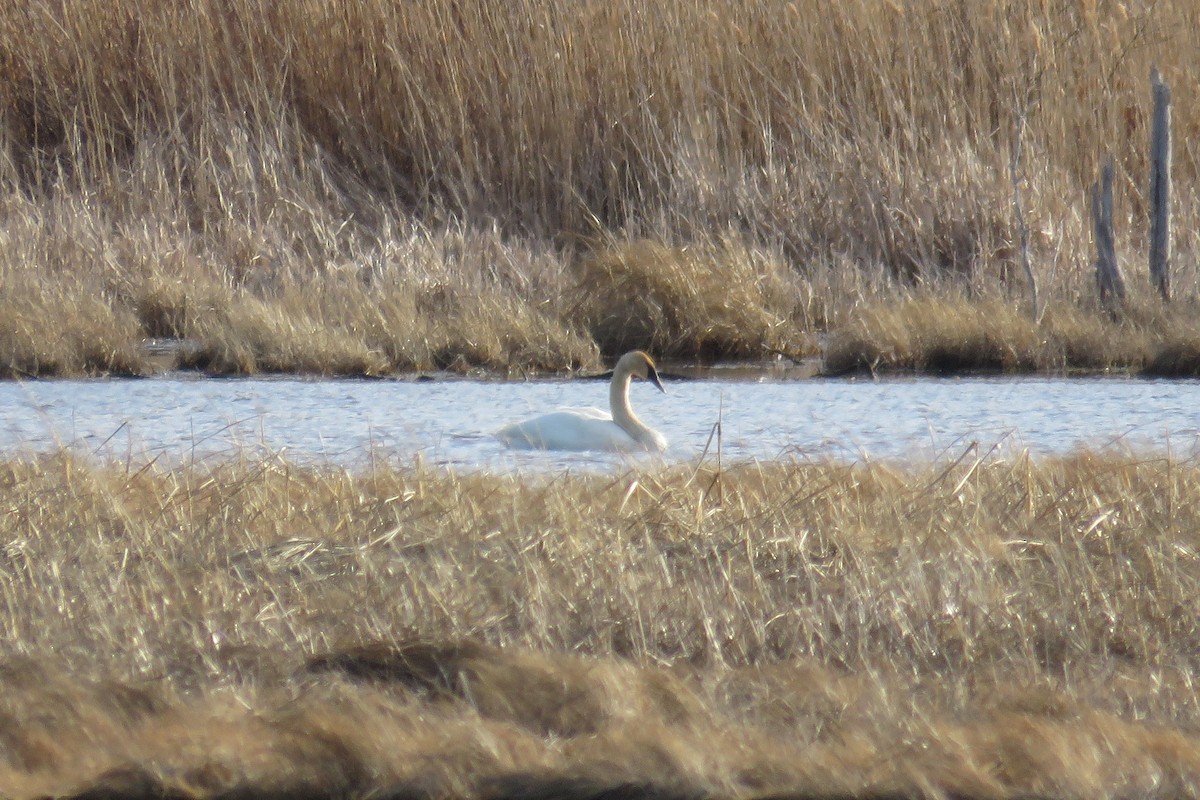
683	303
969	629
944	333
374	186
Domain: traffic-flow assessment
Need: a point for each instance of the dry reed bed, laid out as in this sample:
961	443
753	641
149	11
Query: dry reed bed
942	333
372	186
969	628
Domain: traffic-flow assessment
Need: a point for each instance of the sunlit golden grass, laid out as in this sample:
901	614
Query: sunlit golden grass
373	186
35	338
932	332
680	302
970	628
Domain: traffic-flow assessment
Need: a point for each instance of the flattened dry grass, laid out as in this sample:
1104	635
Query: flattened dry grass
374	186
972	629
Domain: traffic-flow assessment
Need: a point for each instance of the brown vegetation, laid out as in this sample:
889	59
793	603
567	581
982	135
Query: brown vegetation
969	629
930	332
373	186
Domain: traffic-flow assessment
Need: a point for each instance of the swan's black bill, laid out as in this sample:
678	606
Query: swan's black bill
652	376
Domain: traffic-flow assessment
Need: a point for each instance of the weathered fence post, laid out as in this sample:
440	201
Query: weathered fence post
1160	187
1108	273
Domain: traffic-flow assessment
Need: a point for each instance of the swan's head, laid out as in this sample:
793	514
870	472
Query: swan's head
639	365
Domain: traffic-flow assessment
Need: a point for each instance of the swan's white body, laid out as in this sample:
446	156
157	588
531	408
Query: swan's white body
591	428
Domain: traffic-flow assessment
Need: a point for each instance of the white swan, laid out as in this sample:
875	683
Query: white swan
591	428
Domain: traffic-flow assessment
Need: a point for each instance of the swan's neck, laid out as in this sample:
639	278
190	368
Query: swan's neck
622	414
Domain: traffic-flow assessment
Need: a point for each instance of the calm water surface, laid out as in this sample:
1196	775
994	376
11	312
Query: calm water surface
449	422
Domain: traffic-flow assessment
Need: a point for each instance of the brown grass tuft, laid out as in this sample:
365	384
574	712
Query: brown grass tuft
684	302
35	341
935	333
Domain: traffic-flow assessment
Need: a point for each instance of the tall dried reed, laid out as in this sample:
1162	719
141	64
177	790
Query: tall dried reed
303	185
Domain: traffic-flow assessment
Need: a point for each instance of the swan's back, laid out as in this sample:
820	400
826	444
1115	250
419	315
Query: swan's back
570	429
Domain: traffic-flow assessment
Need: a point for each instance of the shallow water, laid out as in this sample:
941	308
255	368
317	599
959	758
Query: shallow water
179	419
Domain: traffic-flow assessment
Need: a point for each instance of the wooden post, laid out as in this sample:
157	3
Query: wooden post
1160	187
1108	273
